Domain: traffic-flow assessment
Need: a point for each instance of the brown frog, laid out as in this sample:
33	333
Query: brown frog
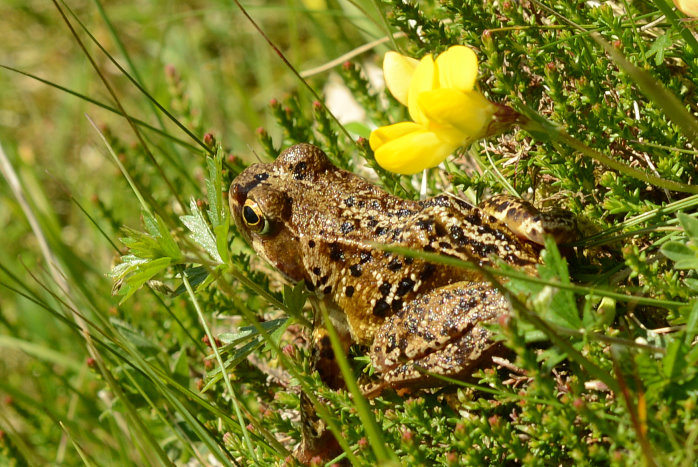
317	223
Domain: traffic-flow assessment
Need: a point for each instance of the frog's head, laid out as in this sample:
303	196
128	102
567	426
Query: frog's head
266	202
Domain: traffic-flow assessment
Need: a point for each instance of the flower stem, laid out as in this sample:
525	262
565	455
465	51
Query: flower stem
547	131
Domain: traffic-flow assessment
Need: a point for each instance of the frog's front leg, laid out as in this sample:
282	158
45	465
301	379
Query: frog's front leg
441	332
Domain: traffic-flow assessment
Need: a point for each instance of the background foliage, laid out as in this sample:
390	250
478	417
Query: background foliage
598	377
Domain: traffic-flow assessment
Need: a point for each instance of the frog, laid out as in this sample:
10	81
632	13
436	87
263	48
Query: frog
328	227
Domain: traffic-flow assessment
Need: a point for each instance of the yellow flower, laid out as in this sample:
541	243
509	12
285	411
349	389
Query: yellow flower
446	109
688	7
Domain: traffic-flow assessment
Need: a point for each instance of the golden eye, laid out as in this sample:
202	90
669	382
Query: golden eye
254	218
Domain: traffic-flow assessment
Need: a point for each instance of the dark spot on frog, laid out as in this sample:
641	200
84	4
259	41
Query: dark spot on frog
403	213
336	253
349	291
425	224
457	234
440	229
427	272
349	202
365	257
299	171
513	259
462	203
375	204
384	289
409	260
381	231
311	243
474	218
445	245
346	227
397	232
467	303
380	308
501	206
316	271
404	286
428	248
371	222
261	177
441	200
396	305
361	204
355	270
327	290
395	265
323	280
513	214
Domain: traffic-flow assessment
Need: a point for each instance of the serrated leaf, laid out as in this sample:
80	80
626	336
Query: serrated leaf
658	47
141	274
295	297
683	256
128	263
248	332
221	234
563	307
196	276
200	232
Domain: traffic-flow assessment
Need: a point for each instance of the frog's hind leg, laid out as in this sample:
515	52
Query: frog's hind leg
442	333
526	221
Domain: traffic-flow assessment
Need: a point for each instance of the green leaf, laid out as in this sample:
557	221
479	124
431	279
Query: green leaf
141	274
563	307
683	256
690	225
691	283
692	324
295	297
196	275
671	363
658	47
200	232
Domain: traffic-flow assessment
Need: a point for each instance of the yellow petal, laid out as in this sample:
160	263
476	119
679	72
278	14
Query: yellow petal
424	79
688	7
413	152
398	70
457	68
385	134
468	112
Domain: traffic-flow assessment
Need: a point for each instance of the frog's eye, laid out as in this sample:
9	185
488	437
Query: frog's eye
254	218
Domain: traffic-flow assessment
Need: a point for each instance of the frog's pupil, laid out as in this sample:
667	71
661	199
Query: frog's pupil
250	216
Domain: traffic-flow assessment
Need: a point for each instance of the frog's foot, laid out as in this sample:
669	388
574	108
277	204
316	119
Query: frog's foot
526	221
318	442
440	333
